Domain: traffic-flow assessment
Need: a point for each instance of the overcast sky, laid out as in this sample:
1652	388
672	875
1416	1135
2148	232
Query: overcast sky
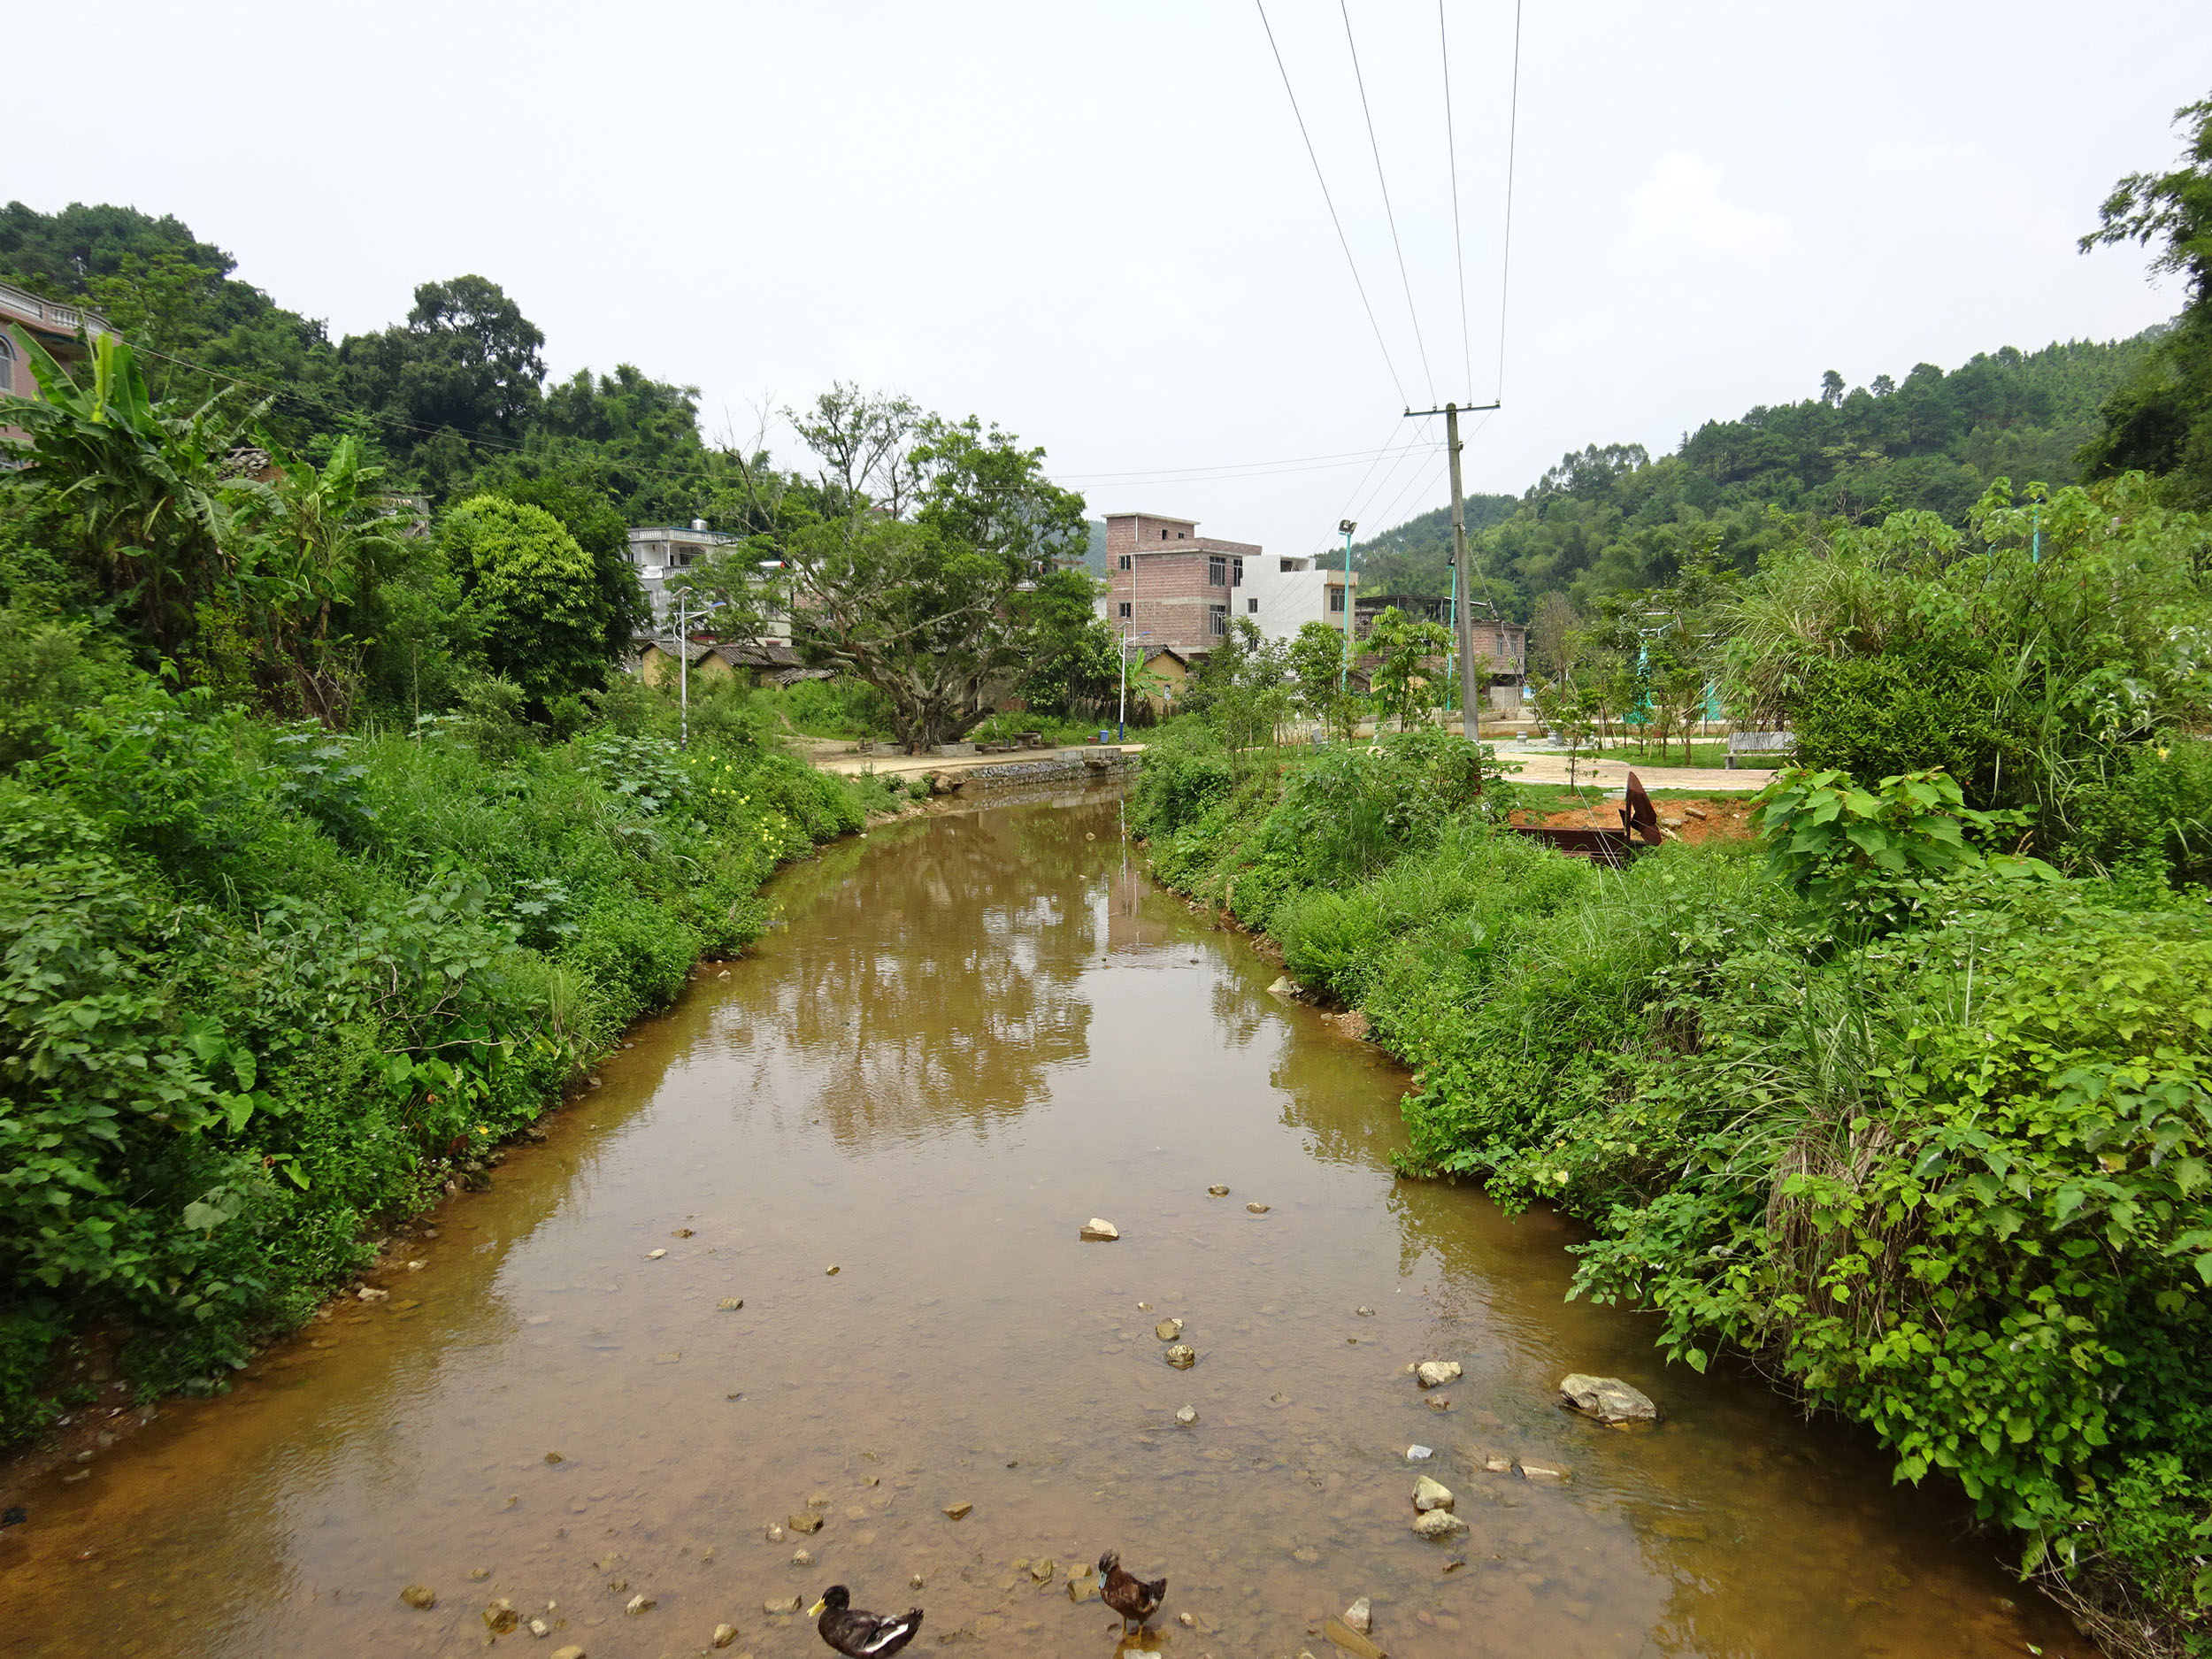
1097	224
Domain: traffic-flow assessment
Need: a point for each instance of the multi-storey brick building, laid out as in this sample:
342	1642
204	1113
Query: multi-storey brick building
1178	589
61	328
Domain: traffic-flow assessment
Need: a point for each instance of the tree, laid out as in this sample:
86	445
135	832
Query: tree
2160	421
539	613
1409	665
1073	659
1831	389
575	491
936	611
467	361
1316	664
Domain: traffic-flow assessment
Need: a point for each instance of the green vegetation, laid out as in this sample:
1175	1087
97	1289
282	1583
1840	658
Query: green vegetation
1918	1117
332	851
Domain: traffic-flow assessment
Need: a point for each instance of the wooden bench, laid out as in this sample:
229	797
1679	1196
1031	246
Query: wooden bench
1748	743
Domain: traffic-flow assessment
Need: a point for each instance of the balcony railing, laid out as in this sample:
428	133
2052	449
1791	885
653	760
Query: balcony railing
51	312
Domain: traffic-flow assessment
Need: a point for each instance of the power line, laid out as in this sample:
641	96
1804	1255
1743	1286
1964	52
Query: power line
1512	145
1342	240
1459	240
1389	214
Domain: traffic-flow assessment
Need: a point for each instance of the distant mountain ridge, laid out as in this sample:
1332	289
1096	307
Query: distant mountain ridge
1613	517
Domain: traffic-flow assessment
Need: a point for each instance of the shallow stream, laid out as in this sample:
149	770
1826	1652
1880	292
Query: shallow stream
882	1130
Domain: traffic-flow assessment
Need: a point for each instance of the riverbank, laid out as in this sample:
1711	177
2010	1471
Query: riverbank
1911	1166
270	989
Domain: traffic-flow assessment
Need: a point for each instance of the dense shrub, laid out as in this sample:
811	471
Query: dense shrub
262	987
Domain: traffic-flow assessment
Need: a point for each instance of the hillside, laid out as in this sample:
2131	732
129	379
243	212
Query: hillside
1613	517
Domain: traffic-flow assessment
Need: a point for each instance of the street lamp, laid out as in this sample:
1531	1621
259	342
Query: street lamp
1344	527
1121	725
683	661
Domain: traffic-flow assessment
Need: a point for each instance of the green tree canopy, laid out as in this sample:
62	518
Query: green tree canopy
538	607
466	362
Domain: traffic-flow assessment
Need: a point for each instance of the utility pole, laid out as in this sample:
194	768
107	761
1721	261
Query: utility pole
1463	589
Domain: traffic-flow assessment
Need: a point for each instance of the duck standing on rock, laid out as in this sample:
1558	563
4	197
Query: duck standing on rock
1127	1595
861	1635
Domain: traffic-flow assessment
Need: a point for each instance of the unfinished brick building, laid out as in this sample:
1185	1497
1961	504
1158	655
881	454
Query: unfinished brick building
1167	580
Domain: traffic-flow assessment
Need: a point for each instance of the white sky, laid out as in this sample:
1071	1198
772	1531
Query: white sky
1096	224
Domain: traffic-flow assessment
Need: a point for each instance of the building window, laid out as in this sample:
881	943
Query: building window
1179	536
1124	611
1125	561
1216	571
1236	576
1218	620
1290	564
1336	599
1162	535
1251	607
7	364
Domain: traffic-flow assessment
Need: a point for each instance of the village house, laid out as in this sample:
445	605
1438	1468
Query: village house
1177	589
1505	644
61	328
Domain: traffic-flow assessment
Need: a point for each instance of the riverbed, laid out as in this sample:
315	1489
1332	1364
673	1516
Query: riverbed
882	1132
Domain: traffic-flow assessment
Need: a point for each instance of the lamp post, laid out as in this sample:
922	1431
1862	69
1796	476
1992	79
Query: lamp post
1344	527
683	662
1121	725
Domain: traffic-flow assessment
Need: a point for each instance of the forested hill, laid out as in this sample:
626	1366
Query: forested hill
1612	517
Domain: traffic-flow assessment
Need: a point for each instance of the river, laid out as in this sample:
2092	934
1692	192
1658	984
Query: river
882	1130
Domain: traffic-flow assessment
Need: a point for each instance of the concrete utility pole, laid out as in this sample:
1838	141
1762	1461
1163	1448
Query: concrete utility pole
1464	590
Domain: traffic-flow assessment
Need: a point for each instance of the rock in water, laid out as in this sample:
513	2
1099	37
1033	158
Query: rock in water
1439	1523
959	1511
1419	1453
1188	1415
1182	1357
803	1522
1607	1399
1042	1570
1351	1642
1259	1209
725	1634
788	1604
654	1255
1432	1494
570	1652
1360	1615
1284	987
1100	1231
421	1597
1217	1192
1435	1373
1168	1330
729	1304
640	1604
500	1616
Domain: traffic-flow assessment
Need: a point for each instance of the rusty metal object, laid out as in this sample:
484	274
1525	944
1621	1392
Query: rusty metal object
1638	832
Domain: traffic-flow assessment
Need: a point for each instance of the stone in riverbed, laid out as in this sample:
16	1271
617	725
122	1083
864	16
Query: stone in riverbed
1259	1209
1168	1330
1182	1357
725	1634
1439	1523
570	1652
803	1522
500	1616
802	1558
785	1604
1097	1230
1342	1636
1419	1453
1188	1415
539	1628
1432	1494
421	1597
959	1511
1360	1616
774	1533
1042	1570
1217	1192
1607	1399
1434	1373
639	1603
654	1255
1543	1473
729	1304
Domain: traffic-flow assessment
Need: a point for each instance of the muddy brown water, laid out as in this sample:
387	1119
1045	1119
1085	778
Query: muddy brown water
971	1035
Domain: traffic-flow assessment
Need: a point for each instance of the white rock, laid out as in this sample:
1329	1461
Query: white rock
1360	1616
1439	1523
1432	1494
1419	1453
1435	1373
654	1255
1100	1231
1188	1415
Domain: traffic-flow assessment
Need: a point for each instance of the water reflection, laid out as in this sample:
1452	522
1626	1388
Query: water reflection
973	1032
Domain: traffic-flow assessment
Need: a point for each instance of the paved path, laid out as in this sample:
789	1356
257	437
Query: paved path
838	759
1545	766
